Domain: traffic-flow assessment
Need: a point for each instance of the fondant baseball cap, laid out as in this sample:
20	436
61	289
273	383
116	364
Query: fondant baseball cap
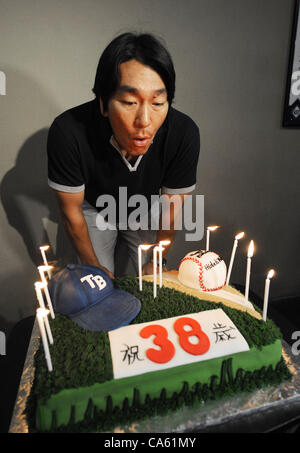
87	296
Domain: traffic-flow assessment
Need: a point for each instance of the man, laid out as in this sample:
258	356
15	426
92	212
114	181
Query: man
129	136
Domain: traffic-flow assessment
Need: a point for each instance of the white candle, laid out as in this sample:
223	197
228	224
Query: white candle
40	314
249	256
160	266
155	250
140	248
161	243
266	295
235	244
154	271
38	289
42	270
208	230
43	249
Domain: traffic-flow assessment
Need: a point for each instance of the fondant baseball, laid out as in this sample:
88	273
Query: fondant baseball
202	270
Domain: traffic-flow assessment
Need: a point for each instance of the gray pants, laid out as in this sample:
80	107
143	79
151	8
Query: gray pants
104	242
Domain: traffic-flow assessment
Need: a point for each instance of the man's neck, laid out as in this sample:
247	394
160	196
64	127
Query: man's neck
128	157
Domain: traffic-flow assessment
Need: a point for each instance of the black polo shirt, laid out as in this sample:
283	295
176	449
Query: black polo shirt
82	155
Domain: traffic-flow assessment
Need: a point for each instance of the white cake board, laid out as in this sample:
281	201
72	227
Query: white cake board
224	293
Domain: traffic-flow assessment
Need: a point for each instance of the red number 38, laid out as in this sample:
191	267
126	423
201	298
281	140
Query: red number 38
167	351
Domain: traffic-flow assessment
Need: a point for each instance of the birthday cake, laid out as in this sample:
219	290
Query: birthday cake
199	339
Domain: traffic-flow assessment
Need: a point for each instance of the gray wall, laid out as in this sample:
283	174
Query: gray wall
231	59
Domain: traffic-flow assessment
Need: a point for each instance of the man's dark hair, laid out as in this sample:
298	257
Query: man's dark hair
145	48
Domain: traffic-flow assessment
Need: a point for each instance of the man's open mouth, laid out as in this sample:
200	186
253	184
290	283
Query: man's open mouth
141	141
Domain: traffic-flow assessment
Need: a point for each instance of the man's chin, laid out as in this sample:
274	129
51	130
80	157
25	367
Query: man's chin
138	151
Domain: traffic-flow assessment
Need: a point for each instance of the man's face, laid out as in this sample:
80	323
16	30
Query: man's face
138	108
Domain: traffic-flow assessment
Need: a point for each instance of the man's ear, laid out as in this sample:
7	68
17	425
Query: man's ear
103	112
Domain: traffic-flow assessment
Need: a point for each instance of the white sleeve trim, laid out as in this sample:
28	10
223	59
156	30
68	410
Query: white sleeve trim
62	188
178	191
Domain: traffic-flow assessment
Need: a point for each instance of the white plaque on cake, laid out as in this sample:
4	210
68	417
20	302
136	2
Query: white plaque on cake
158	345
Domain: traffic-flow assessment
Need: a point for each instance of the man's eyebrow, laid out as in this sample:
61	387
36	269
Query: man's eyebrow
127	89
161	91
130	89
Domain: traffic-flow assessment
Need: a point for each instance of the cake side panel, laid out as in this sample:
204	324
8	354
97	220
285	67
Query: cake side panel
151	383
73	404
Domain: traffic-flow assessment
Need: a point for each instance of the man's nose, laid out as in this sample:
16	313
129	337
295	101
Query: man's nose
142	118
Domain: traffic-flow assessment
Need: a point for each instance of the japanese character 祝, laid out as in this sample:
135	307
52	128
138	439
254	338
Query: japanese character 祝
131	353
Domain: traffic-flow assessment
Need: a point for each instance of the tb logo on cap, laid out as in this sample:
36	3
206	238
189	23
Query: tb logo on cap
101	283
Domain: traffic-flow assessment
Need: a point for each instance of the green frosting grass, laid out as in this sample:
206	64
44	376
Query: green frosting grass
82	358
171	303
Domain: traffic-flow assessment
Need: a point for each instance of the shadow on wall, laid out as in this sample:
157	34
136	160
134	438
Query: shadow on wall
30	205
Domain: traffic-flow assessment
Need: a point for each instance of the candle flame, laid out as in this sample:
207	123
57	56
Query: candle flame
45	268
271	273
213	228
240	235
45	247
251	249
167	242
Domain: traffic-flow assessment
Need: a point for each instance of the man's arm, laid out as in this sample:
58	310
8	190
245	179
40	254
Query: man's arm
76	227
168	218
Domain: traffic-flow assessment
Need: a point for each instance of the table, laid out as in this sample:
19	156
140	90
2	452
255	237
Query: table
261	411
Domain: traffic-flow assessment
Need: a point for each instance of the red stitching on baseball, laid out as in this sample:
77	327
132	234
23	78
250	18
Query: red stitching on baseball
201	284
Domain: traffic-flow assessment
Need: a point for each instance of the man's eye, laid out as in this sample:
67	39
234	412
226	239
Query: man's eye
127	102
158	104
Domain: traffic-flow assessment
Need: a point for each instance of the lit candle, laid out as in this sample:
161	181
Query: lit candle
235	244
43	249
160	266
249	256
161	243
266	295
42	270
208	230
140	248
155	250
41	314
154	271
38	289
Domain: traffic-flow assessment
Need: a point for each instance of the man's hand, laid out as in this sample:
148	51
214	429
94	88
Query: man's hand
107	271
170	216
77	229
